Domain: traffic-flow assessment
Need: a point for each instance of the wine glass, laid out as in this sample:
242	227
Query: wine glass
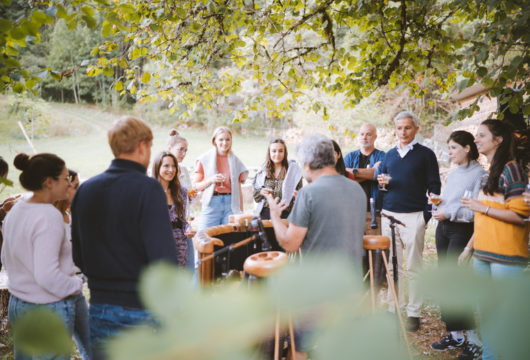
435	200
385	177
222	183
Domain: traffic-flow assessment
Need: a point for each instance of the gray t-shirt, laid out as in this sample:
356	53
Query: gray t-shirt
333	209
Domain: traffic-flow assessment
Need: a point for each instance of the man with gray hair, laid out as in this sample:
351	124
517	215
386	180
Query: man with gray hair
328	214
412	172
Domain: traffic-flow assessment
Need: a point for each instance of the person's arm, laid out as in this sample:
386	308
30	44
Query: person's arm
290	237
465	256
434	185
505	215
201	182
47	245
364	174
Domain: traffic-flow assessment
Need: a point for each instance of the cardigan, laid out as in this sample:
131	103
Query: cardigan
209	164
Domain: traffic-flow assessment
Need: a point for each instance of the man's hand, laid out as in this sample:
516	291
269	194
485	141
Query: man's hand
275	205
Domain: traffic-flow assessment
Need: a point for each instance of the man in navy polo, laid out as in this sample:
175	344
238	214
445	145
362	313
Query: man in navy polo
413	172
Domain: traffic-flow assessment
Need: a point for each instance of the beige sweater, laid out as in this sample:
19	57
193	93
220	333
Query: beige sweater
37	254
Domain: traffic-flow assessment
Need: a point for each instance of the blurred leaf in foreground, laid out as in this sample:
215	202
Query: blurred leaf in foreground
40	331
503	304
206	324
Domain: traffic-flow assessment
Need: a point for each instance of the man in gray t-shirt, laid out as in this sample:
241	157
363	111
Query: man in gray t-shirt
329	214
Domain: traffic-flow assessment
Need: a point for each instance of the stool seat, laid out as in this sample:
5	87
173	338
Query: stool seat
265	263
376	242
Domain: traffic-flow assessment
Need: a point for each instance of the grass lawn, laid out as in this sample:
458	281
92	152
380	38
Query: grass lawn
89	153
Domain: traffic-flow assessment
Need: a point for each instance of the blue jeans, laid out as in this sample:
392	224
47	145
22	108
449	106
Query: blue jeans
72	310
107	320
497	271
217	211
191	255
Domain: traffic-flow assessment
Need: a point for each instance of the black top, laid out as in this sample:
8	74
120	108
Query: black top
364	161
120	224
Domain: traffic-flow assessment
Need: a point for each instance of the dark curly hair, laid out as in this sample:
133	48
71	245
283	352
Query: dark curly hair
37	168
464	138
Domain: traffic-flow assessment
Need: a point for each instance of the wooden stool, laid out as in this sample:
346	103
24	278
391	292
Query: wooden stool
262	265
382	243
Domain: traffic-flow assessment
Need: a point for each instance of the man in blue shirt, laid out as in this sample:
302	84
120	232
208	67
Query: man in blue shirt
120	225
413	172
363	163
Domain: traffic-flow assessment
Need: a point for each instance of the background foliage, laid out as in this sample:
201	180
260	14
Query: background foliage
261	59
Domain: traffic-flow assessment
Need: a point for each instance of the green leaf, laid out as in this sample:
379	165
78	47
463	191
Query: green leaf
30	84
40	331
18	88
108	71
118	86
61	11
6	181
5	25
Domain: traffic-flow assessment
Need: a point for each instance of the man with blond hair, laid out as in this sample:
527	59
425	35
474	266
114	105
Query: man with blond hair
120	225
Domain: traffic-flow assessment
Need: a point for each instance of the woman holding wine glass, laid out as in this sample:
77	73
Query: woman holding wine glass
219	174
500	241
455	228
279	177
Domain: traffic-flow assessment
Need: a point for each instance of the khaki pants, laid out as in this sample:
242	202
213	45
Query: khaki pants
410	238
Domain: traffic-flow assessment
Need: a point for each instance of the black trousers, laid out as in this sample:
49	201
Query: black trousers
451	239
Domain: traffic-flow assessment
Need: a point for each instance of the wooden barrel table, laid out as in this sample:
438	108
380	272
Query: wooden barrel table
217	237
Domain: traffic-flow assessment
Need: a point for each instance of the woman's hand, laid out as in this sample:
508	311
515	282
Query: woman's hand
465	256
439	215
190	232
265	191
474	205
217	178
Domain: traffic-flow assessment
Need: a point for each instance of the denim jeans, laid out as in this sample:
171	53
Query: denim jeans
72	310
191	255
498	271
107	320
217	211
451	239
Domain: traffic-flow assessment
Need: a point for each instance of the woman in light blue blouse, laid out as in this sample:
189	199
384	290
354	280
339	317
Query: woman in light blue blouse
455	228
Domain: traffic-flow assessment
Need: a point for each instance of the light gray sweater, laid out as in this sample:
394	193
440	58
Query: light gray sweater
464	177
37	254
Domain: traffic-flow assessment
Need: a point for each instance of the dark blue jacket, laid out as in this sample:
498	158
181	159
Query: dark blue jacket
412	177
120	224
351	160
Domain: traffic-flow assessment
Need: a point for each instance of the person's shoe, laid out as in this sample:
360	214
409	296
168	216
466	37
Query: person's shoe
413	323
471	352
448	342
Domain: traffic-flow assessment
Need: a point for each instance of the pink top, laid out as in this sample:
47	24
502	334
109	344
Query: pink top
37	254
222	168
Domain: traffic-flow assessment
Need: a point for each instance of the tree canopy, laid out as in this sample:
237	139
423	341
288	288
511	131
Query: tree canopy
198	52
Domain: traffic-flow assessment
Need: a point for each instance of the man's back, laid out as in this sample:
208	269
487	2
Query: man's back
333	208
120	224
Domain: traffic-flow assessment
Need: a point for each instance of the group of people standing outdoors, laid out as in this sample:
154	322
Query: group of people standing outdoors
121	220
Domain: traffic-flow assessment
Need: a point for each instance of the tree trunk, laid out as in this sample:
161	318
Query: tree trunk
74	88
